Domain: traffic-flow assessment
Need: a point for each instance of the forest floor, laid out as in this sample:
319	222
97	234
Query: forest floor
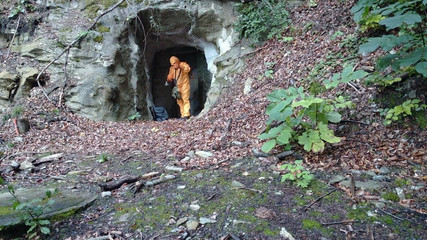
220	183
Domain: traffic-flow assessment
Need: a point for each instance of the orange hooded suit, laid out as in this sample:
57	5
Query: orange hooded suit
181	72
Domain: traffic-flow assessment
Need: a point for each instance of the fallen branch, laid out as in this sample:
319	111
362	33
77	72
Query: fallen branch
142	184
78	39
13	38
341	222
250	189
319	198
128	180
391	215
353	121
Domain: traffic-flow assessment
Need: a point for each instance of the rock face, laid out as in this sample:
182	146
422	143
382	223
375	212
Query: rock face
63	202
120	67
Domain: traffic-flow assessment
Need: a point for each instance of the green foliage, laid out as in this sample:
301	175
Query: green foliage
304	118
297	174
134	116
261	20
31	211
407	108
21	6
407	19
391	196
17	111
103	157
347	75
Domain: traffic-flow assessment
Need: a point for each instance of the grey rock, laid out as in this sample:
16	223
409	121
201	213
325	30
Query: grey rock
284	233
194	207
336	179
28	80
237	143
51	157
384	170
181	221
204	154
26	165
368	185
204	220
124	218
173	168
192	224
15	165
381	178
66	201
106	194
237	184
400	193
378	204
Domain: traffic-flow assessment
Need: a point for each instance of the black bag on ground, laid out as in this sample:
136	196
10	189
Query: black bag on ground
159	113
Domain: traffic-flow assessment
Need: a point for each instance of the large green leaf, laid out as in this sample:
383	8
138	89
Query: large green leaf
327	134
399	20
284	136
318	146
371	45
421	67
307	102
361	9
359	74
277	95
267	146
410	59
334	117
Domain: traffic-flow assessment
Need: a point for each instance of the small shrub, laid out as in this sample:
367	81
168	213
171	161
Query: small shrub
297	174
30	212
407	108
261	20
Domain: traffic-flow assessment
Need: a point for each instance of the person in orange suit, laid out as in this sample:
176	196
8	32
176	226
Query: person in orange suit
180	72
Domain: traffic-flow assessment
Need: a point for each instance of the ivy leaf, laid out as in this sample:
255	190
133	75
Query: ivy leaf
398	20
267	146
44	222
1	181
421	67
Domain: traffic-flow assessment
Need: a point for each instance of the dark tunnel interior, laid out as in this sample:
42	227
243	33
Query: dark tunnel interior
200	79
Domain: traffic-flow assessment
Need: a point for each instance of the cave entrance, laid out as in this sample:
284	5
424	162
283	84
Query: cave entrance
200	79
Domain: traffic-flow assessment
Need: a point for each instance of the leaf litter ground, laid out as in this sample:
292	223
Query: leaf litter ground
229	130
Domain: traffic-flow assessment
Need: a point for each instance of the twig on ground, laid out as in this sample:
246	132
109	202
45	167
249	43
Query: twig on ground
153	182
13	38
353	121
351	85
250	189
318	199
391	215
340	222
